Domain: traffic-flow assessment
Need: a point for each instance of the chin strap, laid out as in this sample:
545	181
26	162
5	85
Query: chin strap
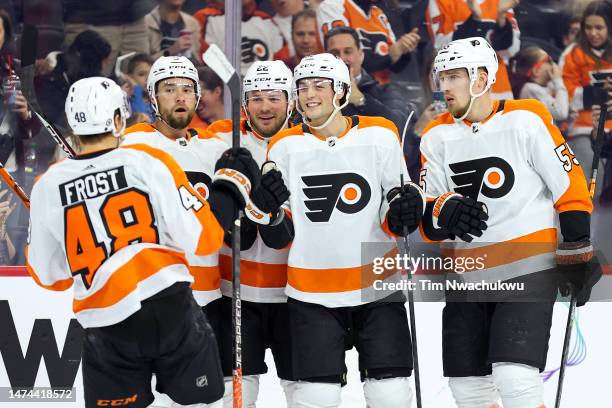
472	99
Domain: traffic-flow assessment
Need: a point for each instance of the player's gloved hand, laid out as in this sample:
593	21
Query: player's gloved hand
406	208
272	191
248	234
579	270
237	172
463	217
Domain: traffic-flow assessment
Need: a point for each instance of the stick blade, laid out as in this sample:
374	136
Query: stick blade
218	62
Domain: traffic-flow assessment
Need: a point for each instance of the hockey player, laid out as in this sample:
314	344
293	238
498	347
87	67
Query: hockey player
340	172
116	223
266	103
510	157
452	20
174	90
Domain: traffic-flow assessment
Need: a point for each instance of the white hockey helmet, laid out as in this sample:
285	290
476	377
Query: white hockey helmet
91	105
469	53
171	67
328	66
267	75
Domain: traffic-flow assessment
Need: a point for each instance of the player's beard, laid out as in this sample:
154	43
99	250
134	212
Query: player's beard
276	127
459	112
179	123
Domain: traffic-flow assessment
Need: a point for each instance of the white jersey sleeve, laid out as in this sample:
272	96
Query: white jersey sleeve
433	174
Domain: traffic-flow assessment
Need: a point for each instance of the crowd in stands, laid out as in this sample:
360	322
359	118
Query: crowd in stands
559	52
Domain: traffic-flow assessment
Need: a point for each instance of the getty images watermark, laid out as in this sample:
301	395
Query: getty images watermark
435	265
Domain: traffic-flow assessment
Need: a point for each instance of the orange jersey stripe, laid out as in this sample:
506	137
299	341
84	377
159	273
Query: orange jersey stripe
577	195
125	279
338	279
205	278
503	253
256	274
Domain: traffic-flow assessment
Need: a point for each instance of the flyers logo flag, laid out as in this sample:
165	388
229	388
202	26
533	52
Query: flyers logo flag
492	177
347	192
200	182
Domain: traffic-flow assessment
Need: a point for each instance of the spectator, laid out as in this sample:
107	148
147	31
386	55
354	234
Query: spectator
210	109
7	249
572	30
173	32
492	19
261	38
536	76
84	58
585	65
382	51
304	36
286	10
16	122
605	198
120	22
368	97
137	72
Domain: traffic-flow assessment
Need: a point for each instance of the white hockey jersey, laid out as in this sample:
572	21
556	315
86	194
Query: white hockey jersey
338	204
116	224
519	165
263	270
197	156
261	40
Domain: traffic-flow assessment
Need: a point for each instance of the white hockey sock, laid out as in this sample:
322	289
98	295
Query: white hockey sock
316	395
519	385
288	388
388	392
474	392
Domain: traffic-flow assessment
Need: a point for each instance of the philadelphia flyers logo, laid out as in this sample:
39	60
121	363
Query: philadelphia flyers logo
254	50
493	177
347	192
377	42
200	182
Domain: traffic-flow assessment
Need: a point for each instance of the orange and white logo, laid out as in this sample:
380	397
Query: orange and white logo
492	177
349	193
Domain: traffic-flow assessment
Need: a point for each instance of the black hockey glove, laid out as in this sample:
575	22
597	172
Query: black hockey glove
238	173
248	234
462	217
578	270
406	207
272	192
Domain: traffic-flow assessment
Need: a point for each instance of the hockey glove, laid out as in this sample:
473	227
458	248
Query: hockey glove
406	207
462	217
238	173
272	192
578	270
248	234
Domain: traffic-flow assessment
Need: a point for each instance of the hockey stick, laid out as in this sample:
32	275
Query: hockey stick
572	307
218	62
415	354
29	43
13	185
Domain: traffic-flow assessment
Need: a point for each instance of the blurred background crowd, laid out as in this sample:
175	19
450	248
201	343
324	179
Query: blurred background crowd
557	51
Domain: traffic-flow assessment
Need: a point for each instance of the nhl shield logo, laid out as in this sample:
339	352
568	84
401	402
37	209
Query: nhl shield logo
202	381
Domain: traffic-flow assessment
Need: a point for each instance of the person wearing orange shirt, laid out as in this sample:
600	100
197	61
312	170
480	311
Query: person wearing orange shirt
586	66
492	19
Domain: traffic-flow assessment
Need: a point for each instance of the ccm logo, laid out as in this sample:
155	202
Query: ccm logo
117	402
237	176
